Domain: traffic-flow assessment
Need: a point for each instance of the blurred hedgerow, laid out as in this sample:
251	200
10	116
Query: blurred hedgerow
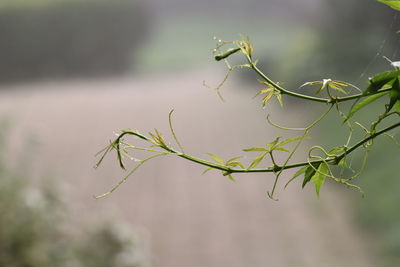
320	163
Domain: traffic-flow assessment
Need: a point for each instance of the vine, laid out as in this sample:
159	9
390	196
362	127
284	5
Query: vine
320	164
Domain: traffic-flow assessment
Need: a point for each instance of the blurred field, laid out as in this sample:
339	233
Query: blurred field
187	219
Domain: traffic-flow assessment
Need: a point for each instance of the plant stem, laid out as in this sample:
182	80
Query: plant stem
307	97
224	168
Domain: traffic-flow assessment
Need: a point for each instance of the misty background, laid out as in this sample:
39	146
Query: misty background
72	73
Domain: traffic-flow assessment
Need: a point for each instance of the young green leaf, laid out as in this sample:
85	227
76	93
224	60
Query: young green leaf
229	175
207	170
380	80
280	149
270	145
396	106
226	54
255	149
344	164
235	164
297	174
216	158
278	96
364	103
289	140
309	173
319	177
394	93
337	150
257	160
395	4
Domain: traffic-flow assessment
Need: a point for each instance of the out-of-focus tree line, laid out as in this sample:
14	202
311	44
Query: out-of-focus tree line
64	38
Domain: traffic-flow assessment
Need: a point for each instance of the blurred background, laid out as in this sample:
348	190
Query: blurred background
74	72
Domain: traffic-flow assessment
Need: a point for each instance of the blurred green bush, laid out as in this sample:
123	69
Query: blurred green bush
34	230
69	38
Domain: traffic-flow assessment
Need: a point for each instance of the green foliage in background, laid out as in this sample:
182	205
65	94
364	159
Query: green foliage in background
35	230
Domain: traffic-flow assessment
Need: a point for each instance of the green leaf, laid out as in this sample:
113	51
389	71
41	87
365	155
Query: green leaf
226	54
396	106
344	164
255	149
233	159
310	171
338	88
297	174
216	158
229	175
235	164
280	149
206	170
279	97
337	150
319	177
273	143
289	140
364	103
394	93
257	160
268	97
395	4
381	79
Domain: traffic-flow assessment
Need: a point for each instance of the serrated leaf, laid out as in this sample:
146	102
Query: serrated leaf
310	171
364	103
380	80
395	4
255	149
257	160
216	158
319	177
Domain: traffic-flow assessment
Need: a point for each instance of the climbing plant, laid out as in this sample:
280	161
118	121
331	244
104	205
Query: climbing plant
320	163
